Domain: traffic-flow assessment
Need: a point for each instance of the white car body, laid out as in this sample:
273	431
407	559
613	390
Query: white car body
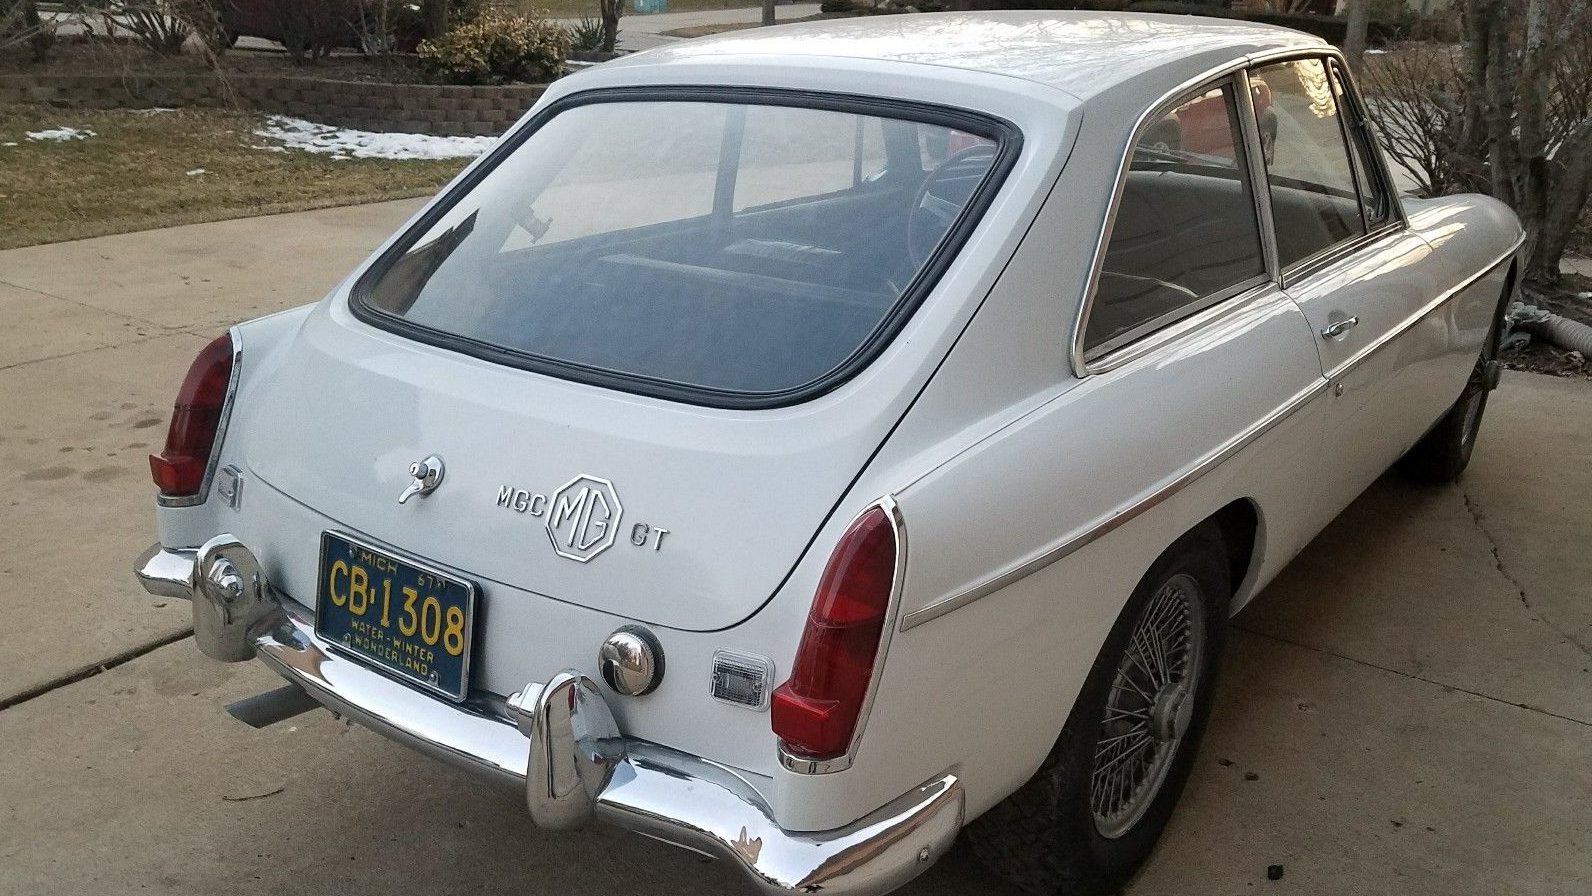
1035	485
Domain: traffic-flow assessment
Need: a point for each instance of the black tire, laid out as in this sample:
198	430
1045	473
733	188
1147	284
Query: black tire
1045	838
1442	455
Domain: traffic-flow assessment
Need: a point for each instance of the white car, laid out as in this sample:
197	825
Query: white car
803	444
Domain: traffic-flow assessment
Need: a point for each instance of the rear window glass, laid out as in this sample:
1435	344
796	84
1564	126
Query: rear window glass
717	246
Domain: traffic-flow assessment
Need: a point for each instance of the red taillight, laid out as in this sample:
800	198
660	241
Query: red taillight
179	470
815	713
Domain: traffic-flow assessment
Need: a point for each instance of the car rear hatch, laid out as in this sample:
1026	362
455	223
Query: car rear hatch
648	387
677	515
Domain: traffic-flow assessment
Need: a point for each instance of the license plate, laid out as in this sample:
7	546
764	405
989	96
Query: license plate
397	614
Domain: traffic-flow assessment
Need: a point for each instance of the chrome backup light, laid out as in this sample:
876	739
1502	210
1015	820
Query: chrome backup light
744	679
631	660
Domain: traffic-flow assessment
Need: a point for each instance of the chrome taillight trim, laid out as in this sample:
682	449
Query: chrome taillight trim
807	766
211	463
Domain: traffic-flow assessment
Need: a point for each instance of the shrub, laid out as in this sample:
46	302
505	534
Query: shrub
586	35
310	28
833	6
162	26
497	48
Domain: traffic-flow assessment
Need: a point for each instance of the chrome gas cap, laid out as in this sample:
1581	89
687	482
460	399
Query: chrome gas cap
631	660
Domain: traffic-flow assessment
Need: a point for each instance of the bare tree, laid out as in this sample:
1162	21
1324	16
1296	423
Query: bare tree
20	23
1417	100
768	12
1527	118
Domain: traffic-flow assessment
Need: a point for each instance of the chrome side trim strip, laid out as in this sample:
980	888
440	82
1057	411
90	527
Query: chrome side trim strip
1119	517
1442	298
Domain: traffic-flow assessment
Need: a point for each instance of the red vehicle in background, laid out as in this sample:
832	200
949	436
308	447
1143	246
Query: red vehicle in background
1201	125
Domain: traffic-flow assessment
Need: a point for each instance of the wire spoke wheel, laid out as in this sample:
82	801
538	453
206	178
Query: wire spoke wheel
1149	707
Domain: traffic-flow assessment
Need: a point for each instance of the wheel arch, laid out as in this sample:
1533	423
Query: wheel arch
1240	523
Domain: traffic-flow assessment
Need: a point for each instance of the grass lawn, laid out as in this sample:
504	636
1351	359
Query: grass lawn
133	174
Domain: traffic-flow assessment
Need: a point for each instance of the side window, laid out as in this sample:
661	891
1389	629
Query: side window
789	154
1185	231
1375	203
1314	202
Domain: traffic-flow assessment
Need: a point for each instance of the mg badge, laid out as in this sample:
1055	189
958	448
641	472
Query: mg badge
583	517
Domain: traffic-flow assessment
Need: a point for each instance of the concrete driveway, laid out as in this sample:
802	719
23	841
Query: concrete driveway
1407	710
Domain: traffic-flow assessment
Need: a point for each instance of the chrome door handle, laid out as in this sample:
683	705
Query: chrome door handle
1334	330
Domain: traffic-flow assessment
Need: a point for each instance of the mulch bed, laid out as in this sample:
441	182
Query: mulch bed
1572	299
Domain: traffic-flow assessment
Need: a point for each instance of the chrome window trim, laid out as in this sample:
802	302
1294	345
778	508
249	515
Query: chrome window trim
1141	334
1362	124
1347	124
1255	156
1176	330
1149	118
1081	363
805	766
199	497
1311	265
1115	519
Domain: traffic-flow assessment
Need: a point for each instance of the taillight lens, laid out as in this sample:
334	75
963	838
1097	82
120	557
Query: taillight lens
815	713
179	470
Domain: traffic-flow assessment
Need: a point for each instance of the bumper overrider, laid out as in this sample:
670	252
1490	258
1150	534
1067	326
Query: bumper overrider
559	742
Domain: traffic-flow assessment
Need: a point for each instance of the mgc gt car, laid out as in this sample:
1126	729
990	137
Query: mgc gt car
807	444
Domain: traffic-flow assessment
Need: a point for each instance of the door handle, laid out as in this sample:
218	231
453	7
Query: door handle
1338	328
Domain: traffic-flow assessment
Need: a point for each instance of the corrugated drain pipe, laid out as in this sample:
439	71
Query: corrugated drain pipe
1552	328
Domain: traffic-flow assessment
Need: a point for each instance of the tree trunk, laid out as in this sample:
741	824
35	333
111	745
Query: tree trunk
39	39
611	11
768	12
436	18
1572	162
1354	38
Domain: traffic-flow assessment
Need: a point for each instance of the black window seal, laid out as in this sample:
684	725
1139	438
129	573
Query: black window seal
1008	141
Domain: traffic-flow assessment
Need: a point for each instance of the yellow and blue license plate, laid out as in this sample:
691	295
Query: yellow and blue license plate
402	616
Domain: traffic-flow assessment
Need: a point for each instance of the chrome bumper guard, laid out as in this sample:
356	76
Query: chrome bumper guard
559	742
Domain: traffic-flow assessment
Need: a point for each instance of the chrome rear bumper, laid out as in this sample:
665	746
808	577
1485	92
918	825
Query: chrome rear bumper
558	742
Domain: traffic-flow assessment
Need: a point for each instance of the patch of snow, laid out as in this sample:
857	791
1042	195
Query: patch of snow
153	110
1375	52
308	136
196	172
9	143
61	135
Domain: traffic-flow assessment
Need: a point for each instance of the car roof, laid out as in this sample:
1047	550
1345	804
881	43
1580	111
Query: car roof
1078	52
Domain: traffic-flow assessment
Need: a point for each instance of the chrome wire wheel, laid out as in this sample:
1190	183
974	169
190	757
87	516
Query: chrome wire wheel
1149	707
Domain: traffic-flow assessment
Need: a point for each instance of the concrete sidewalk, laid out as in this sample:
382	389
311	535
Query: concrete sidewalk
1408	709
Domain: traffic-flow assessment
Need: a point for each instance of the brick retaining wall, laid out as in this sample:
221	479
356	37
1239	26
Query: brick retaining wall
407	108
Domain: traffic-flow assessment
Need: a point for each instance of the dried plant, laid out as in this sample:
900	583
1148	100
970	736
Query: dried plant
1416	100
